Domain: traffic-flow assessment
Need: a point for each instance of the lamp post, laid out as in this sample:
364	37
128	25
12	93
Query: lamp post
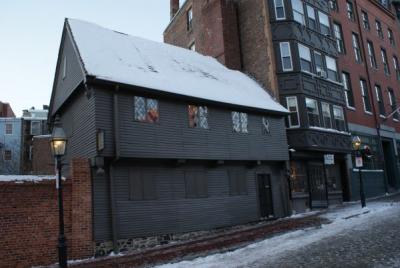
58	144
356	142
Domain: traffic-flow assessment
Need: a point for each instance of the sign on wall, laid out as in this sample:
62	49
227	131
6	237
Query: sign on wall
359	161
329	159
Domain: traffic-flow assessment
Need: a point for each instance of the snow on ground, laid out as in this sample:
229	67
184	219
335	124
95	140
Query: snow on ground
342	220
26	178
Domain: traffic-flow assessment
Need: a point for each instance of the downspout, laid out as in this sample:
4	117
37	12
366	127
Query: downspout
371	95
113	207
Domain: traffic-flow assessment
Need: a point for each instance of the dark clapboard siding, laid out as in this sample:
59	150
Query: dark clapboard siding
172	137
65	87
171	212
79	125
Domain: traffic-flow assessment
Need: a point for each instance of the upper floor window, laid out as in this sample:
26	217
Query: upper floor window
356	47
365	20
391	37
311	21
239	122
7	155
326	114
393	103
348	91
385	62
350	10
324	23
286	56
292	106
365	96
280	9
396	67
36	128
312	112
333	5
332	68
379	31
371	54
198	116
338	115
298	11
305	58
319	64
189	19
9	129
146	110
339	38
379	99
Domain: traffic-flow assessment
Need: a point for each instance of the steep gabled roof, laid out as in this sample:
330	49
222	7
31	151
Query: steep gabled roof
117	57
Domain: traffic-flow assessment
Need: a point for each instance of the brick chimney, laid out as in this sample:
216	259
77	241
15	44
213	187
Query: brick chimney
174	7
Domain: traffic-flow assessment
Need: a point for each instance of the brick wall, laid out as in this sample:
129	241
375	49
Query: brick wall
42	159
29	219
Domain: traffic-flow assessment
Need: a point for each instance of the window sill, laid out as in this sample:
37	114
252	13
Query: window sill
368	113
351	108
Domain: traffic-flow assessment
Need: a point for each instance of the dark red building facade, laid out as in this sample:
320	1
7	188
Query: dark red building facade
368	42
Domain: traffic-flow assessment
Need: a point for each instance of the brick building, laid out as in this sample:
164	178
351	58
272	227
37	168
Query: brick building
368	40
5	110
289	47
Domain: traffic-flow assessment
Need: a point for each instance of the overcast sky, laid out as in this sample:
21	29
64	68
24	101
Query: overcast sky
30	33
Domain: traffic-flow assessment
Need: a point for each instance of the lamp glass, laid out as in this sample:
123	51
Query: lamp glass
58	147
356	143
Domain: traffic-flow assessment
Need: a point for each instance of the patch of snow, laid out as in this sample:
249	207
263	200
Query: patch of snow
26	178
344	219
330	130
368	170
118	57
42	136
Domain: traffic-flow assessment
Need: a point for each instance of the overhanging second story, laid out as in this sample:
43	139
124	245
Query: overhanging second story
142	99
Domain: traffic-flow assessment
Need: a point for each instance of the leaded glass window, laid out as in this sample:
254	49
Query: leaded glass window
146	110
239	122
198	116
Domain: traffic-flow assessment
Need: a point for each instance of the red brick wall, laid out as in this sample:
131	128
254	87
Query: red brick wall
42	159
29	219
347	62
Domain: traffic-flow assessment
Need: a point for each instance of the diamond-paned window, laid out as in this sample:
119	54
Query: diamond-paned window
198	116
239	122
146	110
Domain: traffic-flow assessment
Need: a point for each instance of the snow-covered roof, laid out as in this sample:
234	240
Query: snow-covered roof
120	58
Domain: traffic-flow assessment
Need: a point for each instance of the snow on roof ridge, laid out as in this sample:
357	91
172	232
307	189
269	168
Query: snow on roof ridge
121	58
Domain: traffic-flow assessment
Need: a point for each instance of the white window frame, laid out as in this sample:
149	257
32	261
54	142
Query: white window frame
364	93
342	118
40	127
391	102
317	112
297	111
5	128
284	11
328	25
299	46
284	56
300	12
329	61
329	110
347	89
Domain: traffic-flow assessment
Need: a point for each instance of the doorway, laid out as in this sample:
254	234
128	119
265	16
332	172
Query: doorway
265	196
390	161
316	176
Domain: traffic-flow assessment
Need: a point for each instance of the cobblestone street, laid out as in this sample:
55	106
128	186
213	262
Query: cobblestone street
375	245
355	237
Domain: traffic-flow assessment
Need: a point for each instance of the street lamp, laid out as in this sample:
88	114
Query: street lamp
356	142
58	144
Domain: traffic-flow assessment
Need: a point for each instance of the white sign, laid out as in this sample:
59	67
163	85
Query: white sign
359	161
329	159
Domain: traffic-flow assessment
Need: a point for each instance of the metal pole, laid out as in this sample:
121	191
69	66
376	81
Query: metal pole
362	194
62	245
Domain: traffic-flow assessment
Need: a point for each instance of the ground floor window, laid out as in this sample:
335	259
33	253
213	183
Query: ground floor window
298	176
333	177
